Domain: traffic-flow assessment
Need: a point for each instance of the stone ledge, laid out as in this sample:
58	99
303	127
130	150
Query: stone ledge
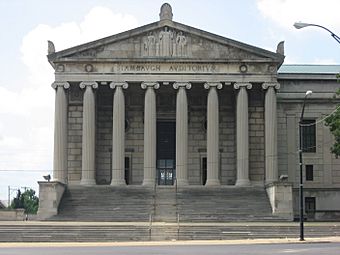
280	195
50	194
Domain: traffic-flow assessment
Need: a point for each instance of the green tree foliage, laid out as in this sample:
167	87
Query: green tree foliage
26	200
333	122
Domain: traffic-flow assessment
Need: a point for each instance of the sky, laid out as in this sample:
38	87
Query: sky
26	96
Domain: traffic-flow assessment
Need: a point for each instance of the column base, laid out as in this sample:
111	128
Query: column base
213	182
149	182
243	182
87	182
118	183
182	182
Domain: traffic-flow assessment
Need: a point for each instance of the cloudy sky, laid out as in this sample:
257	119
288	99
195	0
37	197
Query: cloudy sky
26	96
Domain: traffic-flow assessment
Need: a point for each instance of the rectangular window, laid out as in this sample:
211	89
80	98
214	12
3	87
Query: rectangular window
310	204
309	173
308	130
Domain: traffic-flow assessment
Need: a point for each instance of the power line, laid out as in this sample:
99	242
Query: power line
321	120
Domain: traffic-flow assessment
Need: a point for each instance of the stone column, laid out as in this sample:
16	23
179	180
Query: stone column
60	132
270	119
242	134
150	135
182	133
118	134
88	173
212	134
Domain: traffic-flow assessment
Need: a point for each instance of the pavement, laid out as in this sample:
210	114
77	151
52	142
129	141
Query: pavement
177	243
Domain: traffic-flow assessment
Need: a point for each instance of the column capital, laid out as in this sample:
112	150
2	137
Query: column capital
154	85
186	85
246	85
209	85
57	84
84	84
123	85
275	85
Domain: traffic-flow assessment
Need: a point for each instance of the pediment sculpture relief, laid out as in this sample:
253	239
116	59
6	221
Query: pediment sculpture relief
165	43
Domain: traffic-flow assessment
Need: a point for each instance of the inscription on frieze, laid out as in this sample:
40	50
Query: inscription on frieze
165	68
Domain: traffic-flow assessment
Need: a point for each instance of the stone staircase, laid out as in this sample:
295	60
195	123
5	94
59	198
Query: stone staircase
165	209
190	204
114	232
123	214
106	203
224	204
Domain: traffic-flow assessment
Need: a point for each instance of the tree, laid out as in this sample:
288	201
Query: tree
26	200
333	122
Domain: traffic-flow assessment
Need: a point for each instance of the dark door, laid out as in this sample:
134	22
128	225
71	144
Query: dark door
166	152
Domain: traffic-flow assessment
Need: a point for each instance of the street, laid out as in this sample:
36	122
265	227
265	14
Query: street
243	249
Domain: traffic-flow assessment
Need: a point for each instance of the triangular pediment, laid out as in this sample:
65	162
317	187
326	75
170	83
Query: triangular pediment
169	41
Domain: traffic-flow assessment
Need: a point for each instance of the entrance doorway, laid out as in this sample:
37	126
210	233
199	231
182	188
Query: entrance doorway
166	152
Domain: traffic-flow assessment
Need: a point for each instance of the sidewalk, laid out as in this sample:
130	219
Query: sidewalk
171	243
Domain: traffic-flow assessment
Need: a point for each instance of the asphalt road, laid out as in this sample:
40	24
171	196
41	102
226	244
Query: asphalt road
243	249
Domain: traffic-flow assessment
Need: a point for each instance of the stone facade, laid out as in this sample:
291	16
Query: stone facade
236	117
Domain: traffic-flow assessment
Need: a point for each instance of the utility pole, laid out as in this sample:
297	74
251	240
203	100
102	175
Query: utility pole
9	196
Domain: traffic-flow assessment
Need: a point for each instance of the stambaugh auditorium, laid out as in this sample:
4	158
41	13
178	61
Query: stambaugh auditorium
170	123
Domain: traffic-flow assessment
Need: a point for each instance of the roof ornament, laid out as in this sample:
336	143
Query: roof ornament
51	48
281	48
166	12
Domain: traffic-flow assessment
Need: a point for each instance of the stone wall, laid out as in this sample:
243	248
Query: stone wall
134	136
256	135
75	122
12	215
227	136
104	135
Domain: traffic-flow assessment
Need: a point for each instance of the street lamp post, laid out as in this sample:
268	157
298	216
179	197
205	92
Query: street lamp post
309	92
299	25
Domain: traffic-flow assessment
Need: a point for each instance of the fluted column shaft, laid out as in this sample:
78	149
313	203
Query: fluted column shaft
182	133
271	131
118	134
88	173
60	132
242	134
150	133
212	134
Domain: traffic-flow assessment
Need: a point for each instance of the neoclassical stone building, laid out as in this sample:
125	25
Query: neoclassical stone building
169	104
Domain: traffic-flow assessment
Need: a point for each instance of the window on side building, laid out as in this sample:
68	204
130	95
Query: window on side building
309	173
308	136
